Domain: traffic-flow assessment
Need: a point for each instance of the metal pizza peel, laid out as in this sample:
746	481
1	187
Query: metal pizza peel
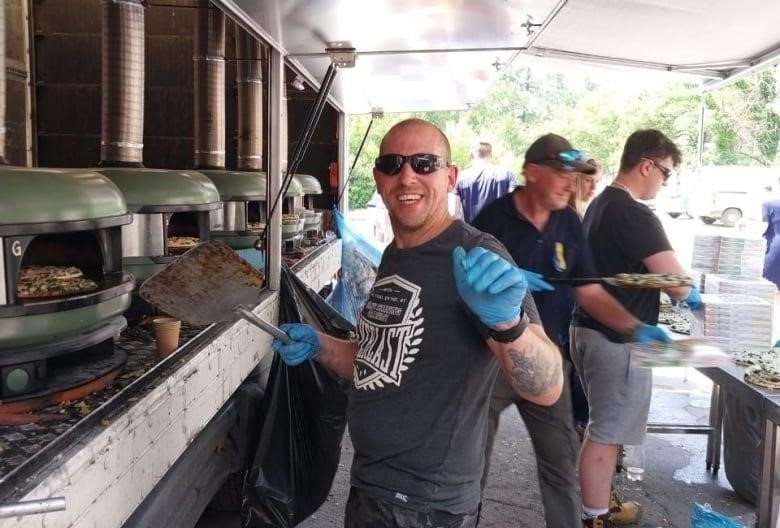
617	281
209	283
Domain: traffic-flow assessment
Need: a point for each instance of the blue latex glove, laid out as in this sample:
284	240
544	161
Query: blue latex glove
536	281
646	333
305	343
694	299
491	286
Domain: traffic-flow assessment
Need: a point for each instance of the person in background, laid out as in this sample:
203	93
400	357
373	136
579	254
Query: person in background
584	191
545	236
448	310
585	188
625	237
482	182
770	214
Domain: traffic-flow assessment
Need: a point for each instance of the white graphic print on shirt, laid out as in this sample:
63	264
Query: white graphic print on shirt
390	332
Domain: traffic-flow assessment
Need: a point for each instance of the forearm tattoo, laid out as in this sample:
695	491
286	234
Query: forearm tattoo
532	370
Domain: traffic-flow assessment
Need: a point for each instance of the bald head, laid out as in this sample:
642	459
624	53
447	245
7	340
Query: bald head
408	126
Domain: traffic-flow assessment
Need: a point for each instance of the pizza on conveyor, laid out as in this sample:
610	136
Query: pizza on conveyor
52	281
652	280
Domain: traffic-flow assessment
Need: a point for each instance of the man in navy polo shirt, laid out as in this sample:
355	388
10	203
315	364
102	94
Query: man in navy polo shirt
543	234
482	182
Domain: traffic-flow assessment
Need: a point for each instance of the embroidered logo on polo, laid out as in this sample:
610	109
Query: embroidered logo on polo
390	332
559	258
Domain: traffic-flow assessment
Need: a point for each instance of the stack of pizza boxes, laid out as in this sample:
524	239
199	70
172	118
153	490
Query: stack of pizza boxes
705	253
735	322
731	256
741	256
754	286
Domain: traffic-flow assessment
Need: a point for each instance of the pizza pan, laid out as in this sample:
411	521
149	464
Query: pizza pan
208	284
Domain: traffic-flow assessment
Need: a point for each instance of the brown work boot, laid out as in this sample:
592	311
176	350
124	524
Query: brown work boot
620	512
602	521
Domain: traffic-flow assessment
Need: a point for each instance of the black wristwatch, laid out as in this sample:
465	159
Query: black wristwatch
510	334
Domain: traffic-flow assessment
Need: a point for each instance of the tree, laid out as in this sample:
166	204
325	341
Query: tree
742	125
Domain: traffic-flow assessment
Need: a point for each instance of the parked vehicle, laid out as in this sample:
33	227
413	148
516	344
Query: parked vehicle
673	200
730	194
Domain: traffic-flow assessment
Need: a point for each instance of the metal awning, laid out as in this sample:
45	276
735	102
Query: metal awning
443	54
715	39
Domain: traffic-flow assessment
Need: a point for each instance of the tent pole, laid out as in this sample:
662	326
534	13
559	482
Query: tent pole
700	143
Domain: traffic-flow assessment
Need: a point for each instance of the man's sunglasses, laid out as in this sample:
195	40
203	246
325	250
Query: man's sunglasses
666	172
565	158
391	164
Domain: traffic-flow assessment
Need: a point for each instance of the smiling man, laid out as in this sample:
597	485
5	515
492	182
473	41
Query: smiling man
447	310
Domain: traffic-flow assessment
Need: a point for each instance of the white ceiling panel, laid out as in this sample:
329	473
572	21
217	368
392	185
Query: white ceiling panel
715	35
399	83
417	55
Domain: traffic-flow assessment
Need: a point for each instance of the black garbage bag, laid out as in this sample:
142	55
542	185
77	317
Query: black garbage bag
304	417
743	444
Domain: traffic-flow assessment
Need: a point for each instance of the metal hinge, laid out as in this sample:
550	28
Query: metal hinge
341	53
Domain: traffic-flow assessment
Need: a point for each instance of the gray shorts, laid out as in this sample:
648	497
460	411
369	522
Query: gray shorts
618	392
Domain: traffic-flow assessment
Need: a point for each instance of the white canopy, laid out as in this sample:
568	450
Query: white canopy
444	54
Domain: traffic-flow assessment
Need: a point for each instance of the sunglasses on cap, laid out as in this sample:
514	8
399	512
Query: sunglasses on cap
666	172
564	158
391	164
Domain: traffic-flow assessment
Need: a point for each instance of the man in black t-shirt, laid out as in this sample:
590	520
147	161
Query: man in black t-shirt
448	308
625	237
544	235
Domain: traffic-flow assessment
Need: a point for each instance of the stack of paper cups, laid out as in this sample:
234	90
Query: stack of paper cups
166	333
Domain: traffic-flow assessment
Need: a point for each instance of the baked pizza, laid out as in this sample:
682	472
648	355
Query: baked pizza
766	376
180	244
52	281
651	280
681	328
45	273
755	357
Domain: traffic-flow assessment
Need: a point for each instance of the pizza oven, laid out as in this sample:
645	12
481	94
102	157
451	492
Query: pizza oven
310	186
292	217
62	287
240	222
312	220
170	212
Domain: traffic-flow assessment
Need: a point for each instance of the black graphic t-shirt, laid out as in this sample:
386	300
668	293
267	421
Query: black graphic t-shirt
418	409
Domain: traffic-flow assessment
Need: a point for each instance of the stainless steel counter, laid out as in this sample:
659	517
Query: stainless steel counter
731	379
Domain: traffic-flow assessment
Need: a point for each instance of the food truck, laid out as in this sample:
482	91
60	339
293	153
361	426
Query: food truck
135	129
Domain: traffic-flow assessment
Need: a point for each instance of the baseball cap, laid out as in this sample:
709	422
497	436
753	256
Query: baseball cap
556	151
